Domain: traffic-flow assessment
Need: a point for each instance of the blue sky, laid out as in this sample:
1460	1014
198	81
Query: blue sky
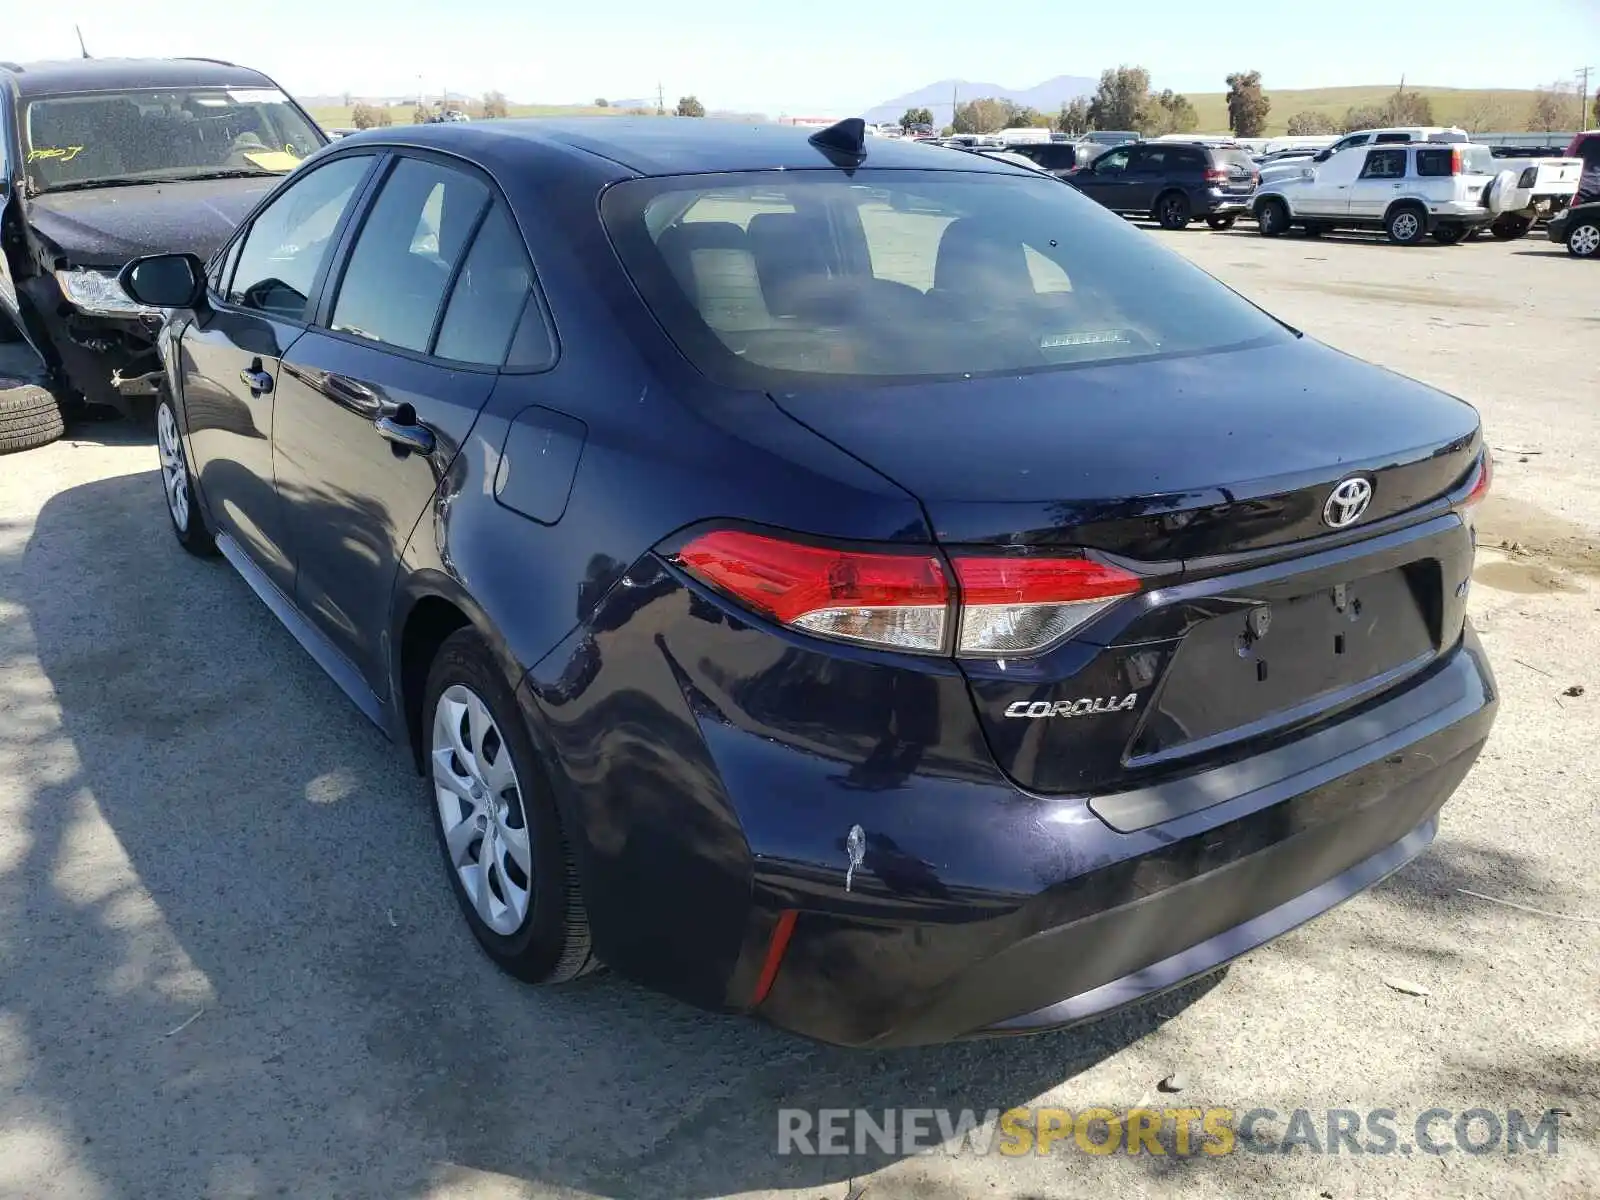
828	57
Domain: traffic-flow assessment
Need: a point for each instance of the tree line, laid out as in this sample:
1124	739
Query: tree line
1125	100
490	106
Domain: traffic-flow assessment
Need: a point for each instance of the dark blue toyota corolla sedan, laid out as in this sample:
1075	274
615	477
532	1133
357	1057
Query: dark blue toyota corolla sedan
859	583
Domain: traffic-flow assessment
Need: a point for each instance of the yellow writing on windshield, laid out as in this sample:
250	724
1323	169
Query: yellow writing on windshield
273	160
60	153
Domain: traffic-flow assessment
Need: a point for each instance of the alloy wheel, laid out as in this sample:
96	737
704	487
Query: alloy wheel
480	809
1584	241
174	470
1405	227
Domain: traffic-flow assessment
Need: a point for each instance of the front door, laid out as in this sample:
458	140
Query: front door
1147	171
1382	178
1328	193
231	356
1106	178
375	401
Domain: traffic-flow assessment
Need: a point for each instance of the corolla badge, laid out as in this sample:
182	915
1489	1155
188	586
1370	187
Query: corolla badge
1347	502
1088	706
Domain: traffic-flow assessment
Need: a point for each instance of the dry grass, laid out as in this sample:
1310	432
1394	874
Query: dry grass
1500	110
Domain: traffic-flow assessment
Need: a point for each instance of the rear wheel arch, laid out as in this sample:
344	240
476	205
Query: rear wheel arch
430	619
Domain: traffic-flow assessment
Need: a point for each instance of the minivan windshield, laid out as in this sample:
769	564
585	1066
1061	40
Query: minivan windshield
808	277
81	139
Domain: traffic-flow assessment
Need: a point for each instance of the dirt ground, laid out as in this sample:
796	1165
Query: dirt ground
229	966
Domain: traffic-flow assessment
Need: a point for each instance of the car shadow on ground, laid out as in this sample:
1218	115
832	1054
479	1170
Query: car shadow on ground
1340	237
234	966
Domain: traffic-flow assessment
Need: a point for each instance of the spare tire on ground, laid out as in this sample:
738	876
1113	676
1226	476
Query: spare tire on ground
29	416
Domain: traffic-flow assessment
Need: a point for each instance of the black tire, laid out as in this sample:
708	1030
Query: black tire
1583	239
1221	223
1508	227
1406	225
1173	211
551	945
1272	218
1449	235
29	417
187	517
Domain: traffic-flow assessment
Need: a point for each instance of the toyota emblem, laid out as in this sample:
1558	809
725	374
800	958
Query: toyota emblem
1347	503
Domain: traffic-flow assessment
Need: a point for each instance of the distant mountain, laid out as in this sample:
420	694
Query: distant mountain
1047	97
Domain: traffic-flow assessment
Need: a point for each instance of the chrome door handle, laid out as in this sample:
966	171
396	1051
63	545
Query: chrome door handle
254	378
418	439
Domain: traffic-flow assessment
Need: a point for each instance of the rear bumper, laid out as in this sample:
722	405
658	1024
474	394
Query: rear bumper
909	956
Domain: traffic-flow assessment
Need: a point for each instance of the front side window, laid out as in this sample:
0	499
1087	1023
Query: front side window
291	237
406	253
1113	162
89	139
795	280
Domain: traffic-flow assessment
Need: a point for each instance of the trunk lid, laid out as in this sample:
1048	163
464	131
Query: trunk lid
1162	460
1209	474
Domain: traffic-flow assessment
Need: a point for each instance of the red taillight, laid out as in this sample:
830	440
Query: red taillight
1216	175
1480	486
1021	605
1006	606
1456	160
900	601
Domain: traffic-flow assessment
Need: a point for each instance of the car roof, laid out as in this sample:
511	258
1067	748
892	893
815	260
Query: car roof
671	145
118	74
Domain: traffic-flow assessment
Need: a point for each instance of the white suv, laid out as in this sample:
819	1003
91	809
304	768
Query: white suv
1410	191
1393	136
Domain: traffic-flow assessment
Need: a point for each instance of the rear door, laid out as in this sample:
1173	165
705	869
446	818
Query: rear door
1242	175
376	399
231	355
1380	182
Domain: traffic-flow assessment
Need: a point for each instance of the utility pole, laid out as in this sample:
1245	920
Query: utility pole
661	101
955	103
1583	98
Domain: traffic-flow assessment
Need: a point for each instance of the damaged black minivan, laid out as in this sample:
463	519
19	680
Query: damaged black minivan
103	160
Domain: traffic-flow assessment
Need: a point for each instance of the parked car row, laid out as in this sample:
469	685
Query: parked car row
1412	183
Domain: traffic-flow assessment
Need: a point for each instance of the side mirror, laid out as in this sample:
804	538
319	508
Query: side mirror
1322	156
164	280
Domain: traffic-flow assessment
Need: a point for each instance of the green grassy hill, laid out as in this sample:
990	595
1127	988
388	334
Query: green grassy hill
1499	110
1477	110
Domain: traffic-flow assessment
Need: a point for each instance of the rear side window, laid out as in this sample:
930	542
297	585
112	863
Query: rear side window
894	276
1384	164
487	300
1433	163
406	253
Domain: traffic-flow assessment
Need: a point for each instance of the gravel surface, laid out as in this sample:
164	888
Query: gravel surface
230	966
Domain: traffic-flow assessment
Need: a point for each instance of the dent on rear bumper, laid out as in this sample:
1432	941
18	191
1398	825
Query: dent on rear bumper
1114	917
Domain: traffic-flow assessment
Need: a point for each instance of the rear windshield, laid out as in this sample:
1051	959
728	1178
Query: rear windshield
1234	158
770	280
